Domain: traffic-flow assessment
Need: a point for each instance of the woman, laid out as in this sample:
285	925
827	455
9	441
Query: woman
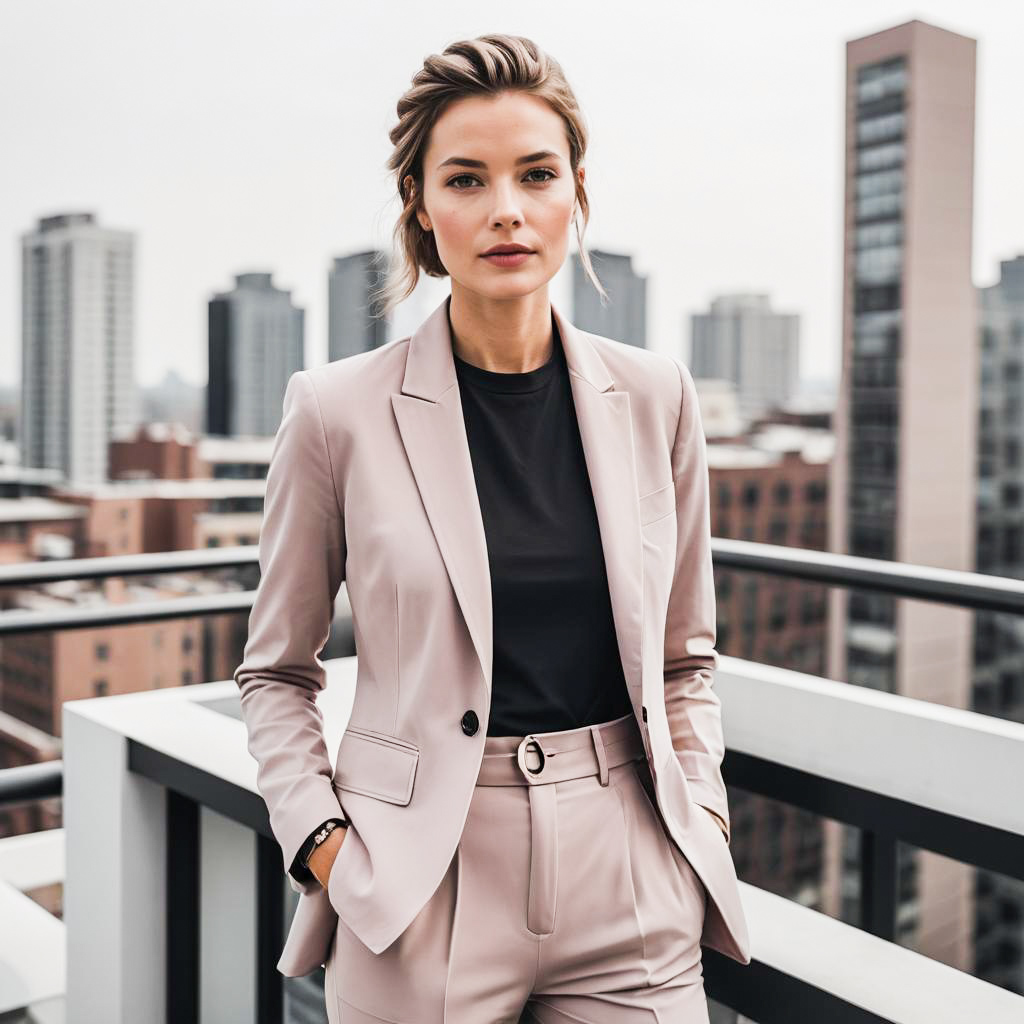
526	820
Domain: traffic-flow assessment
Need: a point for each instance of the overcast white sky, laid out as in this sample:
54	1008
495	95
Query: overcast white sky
239	136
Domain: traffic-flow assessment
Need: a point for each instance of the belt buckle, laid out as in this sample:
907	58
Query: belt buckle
525	756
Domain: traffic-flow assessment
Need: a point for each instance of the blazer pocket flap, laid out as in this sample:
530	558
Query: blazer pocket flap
376	764
658	503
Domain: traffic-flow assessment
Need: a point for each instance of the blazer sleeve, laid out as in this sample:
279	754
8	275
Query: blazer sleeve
302	565
694	709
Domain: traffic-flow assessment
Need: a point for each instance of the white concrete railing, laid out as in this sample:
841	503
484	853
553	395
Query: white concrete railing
32	967
934	756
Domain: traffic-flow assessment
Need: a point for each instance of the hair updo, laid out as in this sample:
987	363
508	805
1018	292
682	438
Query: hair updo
487	65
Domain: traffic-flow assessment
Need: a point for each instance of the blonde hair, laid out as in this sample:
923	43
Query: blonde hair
486	65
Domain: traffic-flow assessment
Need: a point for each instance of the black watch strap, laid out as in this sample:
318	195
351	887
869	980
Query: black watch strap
315	838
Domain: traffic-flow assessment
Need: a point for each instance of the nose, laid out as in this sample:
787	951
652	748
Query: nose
507	210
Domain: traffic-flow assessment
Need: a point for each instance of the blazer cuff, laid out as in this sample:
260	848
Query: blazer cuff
294	825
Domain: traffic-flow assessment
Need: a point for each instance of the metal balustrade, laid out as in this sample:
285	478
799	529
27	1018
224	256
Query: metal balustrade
885	796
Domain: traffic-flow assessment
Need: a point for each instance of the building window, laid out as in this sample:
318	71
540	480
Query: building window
814	492
103	652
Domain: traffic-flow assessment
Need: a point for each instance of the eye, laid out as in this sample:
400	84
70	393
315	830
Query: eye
451	183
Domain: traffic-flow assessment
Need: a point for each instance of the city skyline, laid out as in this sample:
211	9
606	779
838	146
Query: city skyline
278	165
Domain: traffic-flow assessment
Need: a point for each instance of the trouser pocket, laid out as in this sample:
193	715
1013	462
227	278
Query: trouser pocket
670	898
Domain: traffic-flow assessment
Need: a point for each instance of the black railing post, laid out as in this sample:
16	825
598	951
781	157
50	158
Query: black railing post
269	932
182	963
879	884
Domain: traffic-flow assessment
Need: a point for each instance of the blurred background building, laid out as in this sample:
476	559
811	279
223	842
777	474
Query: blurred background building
352	325
77	379
624	318
256	343
741	339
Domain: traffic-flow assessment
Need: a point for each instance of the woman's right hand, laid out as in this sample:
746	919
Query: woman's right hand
322	858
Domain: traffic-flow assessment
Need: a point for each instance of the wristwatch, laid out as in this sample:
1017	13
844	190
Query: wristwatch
317	837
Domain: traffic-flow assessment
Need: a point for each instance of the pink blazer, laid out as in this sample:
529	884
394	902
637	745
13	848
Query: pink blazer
370	482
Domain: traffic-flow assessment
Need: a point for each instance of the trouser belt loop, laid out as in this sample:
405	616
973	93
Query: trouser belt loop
602	760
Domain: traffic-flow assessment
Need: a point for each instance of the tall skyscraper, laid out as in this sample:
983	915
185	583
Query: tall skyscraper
625	316
743	340
352	327
77	337
255	344
999	641
999	685
903	478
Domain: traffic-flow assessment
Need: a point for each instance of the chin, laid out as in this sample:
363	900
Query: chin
506	289
512	284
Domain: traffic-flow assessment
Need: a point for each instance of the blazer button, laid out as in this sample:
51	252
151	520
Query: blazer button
644	713
470	723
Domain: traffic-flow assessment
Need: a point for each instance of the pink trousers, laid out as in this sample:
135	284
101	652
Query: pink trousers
566	902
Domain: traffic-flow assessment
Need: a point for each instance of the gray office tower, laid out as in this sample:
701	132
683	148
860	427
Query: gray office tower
255	345
77	338
351	327
999	641
903	477
625	316
744	341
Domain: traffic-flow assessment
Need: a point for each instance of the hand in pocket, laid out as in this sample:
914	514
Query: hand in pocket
323	857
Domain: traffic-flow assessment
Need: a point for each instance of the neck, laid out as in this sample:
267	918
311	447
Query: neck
502	335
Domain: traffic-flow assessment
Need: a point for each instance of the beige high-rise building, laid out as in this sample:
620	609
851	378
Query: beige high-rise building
903	478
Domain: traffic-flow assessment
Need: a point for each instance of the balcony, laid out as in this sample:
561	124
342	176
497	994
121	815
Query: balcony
170	871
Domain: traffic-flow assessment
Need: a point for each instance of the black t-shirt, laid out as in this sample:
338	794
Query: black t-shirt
556	659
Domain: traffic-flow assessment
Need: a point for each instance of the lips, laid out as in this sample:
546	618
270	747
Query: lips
507	259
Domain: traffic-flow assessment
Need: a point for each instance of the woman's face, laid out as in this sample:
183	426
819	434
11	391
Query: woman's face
496	170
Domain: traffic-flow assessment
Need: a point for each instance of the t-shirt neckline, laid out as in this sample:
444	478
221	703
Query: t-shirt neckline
512	383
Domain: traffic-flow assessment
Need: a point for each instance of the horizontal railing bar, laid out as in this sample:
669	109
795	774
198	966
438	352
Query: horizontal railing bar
901	579
970	842
771	996
26	782
234	802
51	571
979	845
20	621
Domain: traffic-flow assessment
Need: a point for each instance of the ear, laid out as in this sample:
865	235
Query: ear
410	184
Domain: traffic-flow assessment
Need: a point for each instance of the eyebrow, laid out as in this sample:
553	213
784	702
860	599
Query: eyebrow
464	161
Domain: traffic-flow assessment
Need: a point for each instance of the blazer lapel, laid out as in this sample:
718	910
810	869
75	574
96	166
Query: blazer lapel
606	432
429	416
